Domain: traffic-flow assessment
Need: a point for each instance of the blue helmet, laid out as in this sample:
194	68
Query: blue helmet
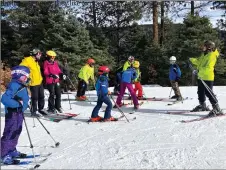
18	72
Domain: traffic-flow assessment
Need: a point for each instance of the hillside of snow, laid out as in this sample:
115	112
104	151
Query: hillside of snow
154	140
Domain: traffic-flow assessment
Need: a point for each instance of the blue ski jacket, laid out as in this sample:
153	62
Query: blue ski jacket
102	86
15	96
174	72
129	75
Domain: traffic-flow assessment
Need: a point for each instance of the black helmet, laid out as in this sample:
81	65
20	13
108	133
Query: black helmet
210	45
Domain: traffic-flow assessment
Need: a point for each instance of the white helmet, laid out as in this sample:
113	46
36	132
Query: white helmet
173	60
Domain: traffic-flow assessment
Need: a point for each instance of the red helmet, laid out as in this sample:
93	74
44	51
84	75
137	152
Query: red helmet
103	69
90	61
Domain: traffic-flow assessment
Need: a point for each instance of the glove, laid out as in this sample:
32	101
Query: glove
64	77
54	76
19	100
177	79
195	72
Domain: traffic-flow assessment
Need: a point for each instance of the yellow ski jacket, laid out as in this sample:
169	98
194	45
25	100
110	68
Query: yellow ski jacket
205	65
35	72
86	73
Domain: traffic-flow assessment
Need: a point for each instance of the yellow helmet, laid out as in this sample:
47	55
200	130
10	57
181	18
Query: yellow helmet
51	53
136	64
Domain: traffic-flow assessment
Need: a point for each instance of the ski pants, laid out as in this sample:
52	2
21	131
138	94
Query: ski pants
37	96
82	86
54	90
175	87
203	92
12	130
138	87
123	87
100	101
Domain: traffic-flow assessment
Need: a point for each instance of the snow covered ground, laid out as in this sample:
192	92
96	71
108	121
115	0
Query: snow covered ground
153	141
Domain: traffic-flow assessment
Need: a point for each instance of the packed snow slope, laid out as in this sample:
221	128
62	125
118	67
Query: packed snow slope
154	140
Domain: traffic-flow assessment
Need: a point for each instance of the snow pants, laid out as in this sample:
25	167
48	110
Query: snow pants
203	92
123	87
138	87
100	101
82	86
12	130
54	90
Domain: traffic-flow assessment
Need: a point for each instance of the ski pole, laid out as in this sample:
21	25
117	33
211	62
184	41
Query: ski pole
205	85
170	92
119	108
56	143
71	82
209	90
33	116
31	146
69	101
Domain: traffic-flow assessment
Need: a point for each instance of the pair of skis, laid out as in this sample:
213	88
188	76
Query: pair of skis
20	161
58	116
196	119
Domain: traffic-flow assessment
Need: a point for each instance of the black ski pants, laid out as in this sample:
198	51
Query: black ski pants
203	92
37	96
82	86
54	90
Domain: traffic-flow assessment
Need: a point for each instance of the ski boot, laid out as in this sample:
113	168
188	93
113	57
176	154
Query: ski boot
17	154
119	105
43	112
179	98
174	97
110	119
216	110
8	160
60	110
200	108
136	107
96	119
34	114
80	98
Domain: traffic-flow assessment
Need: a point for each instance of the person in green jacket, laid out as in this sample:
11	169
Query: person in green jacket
205	70
86	73
128	63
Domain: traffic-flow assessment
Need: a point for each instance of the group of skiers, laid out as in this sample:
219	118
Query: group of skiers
28	73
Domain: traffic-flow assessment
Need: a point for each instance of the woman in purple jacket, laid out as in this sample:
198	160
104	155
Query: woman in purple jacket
52	76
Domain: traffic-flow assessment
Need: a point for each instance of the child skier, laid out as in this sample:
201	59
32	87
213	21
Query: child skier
174	76
15	100
85	74
52	73
138	86
102	93
128	77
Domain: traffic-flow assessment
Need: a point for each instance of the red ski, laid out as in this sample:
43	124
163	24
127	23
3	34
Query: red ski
202	118
68	114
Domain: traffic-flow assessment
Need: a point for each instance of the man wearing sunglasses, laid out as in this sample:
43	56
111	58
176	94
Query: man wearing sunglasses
36	86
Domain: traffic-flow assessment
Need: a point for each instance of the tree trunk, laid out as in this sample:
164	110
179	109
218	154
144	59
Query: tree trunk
192	8
118	27
155	22
162	23
94	14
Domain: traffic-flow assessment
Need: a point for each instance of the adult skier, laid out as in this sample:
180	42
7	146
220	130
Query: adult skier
52	74
205	70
